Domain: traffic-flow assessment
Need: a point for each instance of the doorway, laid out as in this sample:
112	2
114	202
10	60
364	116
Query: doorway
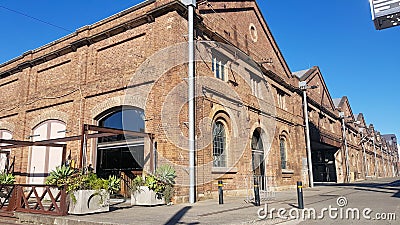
258	162
121	155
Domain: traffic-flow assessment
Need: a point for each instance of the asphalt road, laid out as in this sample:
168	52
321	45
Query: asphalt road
369	202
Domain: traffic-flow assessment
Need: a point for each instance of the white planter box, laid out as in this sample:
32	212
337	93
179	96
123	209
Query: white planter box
89	201
146	197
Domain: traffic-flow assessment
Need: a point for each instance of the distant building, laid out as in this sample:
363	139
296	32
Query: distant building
385	13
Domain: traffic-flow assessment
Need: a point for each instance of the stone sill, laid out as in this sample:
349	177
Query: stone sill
224	170
287	171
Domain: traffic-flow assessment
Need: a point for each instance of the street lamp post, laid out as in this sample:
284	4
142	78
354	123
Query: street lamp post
342	116
375	167
365	154
303	86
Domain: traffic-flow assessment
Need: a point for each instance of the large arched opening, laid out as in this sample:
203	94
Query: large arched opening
121	155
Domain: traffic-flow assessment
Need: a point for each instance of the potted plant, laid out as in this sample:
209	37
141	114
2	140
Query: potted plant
154	189
87	193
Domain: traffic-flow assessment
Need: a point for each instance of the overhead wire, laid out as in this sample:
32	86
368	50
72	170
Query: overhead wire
34	18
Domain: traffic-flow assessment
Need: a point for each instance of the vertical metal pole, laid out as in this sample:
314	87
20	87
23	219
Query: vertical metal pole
373	144
192	182
256	192
365	161
309	162
383	162
346	151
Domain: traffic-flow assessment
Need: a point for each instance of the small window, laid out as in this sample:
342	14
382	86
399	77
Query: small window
282	147
255	85
219	68
219	145
281	99
332	127
322	120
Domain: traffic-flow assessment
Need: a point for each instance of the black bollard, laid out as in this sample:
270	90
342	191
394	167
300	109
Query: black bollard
256	193
220	192
300	195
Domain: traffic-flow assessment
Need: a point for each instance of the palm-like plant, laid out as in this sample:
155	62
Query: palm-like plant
60	175
166	174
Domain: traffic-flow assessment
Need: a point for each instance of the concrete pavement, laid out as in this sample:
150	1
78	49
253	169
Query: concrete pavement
382	196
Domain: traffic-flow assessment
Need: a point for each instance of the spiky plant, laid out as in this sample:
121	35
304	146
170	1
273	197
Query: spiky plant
7	178
114	184
166	174
60	175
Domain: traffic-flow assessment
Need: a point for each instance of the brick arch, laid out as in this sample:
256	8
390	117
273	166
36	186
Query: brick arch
123	100
49	115
4	125
219	110
267	139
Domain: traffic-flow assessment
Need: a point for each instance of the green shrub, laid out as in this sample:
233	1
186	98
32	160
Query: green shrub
74	180
7	178
161	183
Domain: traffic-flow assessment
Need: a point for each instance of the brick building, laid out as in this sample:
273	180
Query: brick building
129	72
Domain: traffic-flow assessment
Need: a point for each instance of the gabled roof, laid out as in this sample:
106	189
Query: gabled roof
230	11
343	105
309	75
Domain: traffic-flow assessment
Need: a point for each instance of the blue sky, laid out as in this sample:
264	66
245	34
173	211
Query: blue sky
338	36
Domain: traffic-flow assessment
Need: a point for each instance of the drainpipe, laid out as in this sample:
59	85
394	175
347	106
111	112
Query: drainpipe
191	4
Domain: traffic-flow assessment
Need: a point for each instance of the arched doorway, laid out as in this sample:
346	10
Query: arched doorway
121	155
257	155
44	159
5	154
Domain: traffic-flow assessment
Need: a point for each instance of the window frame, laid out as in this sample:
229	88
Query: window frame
221	162
284	163
219	67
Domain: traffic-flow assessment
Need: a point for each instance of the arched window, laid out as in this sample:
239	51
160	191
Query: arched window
43	159
121	152
131	119
5	153
282	148
219	144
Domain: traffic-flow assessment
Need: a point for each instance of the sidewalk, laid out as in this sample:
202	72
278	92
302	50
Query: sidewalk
235	210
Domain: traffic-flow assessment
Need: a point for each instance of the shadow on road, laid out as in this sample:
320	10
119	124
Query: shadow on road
382	187
178	216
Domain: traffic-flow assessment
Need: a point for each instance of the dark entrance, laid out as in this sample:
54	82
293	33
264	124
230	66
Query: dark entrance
323	161
121	155
257	155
